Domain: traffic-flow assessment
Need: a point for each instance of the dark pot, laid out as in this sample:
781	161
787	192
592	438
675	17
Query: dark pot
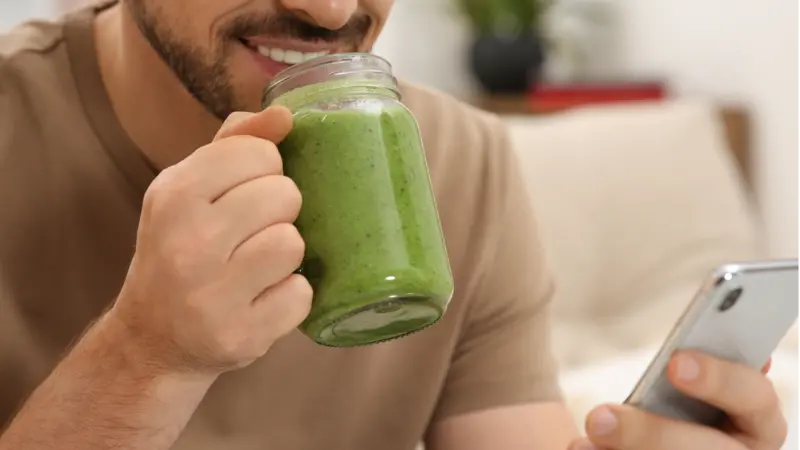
507	65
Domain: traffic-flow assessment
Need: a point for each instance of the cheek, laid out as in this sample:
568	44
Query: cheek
379	11
201	27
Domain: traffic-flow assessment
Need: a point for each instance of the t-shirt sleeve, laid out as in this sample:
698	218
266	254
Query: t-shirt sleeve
503	356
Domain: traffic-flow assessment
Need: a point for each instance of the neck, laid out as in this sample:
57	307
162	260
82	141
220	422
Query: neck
159	115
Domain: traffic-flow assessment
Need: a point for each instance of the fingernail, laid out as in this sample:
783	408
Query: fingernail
602	422
687	368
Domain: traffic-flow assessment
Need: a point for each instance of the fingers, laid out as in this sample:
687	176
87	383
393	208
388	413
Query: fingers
258	204
265	259
217	168
745	394
286	304
621	427
243	150
272	124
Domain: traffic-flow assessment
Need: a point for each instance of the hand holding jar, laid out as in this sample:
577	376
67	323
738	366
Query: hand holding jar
211	285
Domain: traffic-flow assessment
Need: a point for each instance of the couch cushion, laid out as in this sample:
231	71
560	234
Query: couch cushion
637	204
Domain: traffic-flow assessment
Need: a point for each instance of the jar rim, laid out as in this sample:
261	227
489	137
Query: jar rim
326	60
327	67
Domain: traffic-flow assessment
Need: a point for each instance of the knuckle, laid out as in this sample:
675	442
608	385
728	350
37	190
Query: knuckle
193	249
196	239
272	160
713	382
629	429
770	401
298	312
262	152
242	142
289	194
301	289
236	117
184	259
205	234
195	309
635	428
711	387
162	190
290	242
231	342
291	306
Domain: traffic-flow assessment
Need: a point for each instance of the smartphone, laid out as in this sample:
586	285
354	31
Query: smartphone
740	314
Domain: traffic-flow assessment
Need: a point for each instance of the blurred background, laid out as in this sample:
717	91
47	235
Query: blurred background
659	139
736	52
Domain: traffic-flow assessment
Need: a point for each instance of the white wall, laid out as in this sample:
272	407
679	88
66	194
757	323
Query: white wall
776	101
15	11
733	50
426	43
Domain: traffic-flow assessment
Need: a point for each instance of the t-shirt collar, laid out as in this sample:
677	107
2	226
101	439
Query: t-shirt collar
82	52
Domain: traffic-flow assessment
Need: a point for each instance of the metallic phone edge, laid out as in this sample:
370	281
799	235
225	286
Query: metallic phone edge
659	362
718	277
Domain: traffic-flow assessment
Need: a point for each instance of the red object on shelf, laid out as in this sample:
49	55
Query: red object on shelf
559	96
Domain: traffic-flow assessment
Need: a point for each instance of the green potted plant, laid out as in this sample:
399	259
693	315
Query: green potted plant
508	49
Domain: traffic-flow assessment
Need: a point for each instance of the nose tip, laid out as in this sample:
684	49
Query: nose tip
330	14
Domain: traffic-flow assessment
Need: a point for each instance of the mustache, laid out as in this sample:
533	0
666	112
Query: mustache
285	25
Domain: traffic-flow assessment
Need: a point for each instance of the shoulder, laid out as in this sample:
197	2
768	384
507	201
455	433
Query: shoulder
27	69
465	145
451	125
34	37
26	51
475	177
469	152
433	104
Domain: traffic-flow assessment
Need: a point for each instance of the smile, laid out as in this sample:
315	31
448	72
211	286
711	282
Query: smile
275	55
288	56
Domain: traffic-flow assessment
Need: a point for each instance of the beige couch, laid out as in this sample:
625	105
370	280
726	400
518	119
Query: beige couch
637	204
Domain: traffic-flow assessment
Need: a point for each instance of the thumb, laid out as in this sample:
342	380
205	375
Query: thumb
272	124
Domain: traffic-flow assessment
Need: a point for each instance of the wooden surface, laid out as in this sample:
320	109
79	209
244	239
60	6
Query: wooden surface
735	119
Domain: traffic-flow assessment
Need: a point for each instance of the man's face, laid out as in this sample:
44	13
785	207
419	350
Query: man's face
226	51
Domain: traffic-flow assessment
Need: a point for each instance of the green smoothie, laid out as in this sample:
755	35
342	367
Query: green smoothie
375	253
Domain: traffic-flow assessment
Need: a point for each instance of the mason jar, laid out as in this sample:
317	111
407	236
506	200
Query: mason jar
375	253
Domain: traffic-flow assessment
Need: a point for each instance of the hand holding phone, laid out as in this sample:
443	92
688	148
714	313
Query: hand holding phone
740	315
705	388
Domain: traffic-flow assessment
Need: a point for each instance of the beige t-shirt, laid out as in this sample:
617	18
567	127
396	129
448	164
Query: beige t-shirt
71	187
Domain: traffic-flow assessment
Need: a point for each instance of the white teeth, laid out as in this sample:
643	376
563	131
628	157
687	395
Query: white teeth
316	55
288	56
277	54
293	57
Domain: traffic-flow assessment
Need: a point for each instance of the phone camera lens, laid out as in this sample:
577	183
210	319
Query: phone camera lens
730	299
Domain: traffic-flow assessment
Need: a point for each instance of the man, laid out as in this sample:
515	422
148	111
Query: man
146	290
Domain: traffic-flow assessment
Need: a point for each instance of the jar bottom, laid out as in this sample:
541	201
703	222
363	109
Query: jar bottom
379	321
